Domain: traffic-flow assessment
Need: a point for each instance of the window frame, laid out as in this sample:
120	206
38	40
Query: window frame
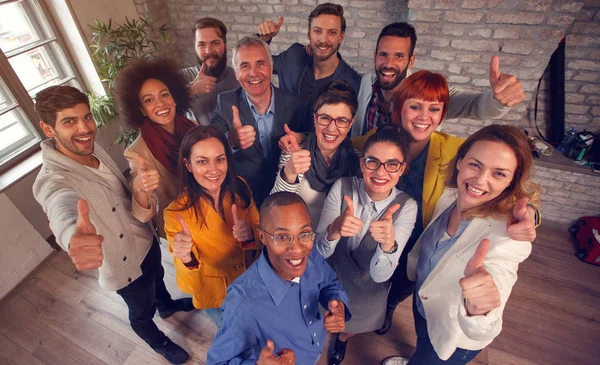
17	89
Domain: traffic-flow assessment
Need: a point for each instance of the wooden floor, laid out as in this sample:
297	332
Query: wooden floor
62	317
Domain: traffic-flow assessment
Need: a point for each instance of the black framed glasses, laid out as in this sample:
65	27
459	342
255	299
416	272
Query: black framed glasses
325	120
287	239
373	163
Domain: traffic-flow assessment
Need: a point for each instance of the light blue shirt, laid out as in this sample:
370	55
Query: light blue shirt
264	124
434	245
262	306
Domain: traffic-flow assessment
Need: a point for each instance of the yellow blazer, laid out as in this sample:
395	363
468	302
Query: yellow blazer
442	149
220	257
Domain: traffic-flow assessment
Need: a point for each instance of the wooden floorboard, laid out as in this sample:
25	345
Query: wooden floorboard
61	316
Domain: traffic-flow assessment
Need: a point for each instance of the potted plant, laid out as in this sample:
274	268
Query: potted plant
113	46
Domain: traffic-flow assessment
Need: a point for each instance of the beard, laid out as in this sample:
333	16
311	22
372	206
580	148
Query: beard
68	143
333	51
216	70
395	82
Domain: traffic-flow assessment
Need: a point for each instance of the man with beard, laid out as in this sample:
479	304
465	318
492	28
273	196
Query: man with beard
306	73
212	75
271	313
93	216
394	56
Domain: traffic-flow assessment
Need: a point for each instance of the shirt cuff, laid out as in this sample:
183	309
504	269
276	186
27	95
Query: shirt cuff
233	149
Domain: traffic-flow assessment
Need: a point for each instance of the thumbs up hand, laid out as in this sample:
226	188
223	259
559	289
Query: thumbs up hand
383	230
268	29
506	88
85	245
242	231
283	357
202	83
346	225
290	141
241	136
335	319
522	226
299	161
146	180
182	242
479	290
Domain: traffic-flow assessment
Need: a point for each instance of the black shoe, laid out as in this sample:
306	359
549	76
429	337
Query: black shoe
179	305
338	353
387	323
172	352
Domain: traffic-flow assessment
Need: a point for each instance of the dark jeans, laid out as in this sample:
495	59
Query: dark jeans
402	287
426	355
144	295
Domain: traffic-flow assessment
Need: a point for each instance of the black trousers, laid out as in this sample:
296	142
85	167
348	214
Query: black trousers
402	287
144	295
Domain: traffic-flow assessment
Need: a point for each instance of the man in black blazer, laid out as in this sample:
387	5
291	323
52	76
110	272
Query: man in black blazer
252	116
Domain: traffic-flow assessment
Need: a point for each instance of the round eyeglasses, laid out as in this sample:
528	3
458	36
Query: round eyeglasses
373	163
287	239
325	120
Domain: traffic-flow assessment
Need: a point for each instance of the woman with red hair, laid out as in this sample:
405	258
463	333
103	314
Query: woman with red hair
418	109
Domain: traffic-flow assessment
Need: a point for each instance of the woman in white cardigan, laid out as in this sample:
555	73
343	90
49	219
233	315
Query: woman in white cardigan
465	264
326	154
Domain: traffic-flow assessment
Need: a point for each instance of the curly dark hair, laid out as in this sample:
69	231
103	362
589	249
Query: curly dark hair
130	79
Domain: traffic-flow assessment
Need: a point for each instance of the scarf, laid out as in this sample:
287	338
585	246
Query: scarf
164	145
344	162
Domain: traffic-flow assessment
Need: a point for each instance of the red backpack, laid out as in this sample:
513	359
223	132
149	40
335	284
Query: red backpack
587	233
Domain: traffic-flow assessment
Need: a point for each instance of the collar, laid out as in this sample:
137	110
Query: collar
364	199
276	286
271	109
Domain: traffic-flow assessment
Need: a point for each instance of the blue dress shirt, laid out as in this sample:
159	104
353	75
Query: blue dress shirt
264	123
262	306
433	247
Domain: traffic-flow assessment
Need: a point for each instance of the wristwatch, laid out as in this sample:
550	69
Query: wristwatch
393	250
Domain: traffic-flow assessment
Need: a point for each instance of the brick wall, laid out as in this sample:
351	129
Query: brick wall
582	74
456	38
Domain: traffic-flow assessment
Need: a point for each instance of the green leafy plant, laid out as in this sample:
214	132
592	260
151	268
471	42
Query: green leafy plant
113	47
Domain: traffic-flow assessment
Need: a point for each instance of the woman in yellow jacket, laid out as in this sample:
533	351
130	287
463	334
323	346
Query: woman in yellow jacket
211	226
418	109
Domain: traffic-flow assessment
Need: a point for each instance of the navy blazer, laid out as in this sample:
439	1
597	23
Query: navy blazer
258	171
291	66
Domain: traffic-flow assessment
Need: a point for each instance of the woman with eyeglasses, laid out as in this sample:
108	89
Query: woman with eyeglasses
310	169
364	227
211	226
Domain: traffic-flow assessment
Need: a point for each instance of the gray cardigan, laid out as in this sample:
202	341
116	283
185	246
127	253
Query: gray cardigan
462	104
61	180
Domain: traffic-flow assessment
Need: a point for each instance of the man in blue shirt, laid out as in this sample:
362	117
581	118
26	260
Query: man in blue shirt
306	73
271	311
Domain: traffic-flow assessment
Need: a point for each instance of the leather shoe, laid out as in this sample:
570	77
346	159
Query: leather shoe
172	352
338	353
387	323
179	305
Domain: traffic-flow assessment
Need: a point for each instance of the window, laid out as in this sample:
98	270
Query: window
31	59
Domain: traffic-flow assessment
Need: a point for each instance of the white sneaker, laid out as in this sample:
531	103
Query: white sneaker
395	360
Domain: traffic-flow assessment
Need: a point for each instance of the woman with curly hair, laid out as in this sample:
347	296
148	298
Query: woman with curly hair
152	97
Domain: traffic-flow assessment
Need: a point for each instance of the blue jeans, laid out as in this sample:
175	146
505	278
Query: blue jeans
426	355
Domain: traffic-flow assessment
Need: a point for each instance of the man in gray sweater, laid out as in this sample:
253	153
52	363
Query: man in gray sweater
93	216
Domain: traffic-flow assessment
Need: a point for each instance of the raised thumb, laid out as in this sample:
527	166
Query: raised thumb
350	206
390	212
184	227
83	223
202	69
520	209
141	161
476	261
280	22
494	70
234	213
270	346
237	123
332	306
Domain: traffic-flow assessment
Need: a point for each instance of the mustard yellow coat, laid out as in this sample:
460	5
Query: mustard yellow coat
442	149
220	257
